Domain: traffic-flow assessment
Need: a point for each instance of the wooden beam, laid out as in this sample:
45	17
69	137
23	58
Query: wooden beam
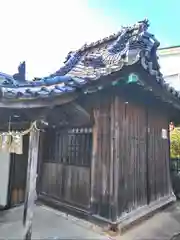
30	195
41	113
71	114
39	103
115	157
94	197
82	111
40	161
112	158
17	126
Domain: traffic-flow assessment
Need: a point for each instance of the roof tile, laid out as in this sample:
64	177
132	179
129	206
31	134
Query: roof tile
127	47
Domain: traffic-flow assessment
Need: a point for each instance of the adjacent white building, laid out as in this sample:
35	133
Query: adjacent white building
169	59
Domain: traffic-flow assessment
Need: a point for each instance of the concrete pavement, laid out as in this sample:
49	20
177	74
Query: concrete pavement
52	224
47	224
162	226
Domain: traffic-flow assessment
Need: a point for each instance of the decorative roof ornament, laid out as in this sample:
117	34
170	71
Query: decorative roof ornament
21	75
144	24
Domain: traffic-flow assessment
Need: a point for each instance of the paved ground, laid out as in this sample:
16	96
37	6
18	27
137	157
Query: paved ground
162	225
52	224
48	223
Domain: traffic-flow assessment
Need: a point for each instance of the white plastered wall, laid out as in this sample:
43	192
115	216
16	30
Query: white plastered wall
4	177
170	67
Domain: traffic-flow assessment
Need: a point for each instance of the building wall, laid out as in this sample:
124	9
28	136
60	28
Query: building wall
4	183
169	59
119	175
130	164
127	166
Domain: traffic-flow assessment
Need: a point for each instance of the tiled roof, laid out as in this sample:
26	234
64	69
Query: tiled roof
130	45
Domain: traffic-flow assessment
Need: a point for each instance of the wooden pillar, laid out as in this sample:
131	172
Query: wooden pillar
115	158
40	163
105	161
30	195
94	166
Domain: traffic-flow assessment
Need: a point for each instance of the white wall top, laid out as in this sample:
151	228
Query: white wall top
169	60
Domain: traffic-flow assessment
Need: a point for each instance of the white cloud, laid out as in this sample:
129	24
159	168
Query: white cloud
42	32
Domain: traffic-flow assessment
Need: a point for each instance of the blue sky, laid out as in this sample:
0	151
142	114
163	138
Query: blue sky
164	16
42	32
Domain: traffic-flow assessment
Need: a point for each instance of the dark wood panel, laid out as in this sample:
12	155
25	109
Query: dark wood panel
129	167
70	146
119	179
132	169
66	165
67	183
18	175
102	167
158	156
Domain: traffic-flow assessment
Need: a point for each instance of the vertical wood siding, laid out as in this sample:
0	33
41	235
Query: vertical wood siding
158	156
130	165
123	166
18	175
119	175
132	151
101	177
66	166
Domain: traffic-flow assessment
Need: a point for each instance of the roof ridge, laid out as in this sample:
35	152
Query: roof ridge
143	23
73	57
133	44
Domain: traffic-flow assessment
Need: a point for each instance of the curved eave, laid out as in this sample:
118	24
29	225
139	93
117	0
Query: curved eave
83	69
39	102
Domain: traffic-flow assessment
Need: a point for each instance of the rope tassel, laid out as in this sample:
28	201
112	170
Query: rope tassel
12	141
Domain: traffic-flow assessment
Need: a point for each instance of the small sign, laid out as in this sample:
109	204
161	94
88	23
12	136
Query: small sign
164	134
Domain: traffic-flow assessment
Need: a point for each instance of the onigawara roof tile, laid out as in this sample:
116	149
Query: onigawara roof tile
130	45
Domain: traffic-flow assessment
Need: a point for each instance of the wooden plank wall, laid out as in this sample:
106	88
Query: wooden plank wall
132	184
158	156
129	165
119	170
68	184
102	167
65	173
18	175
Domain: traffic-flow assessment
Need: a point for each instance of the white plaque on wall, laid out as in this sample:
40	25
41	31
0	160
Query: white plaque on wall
164	134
